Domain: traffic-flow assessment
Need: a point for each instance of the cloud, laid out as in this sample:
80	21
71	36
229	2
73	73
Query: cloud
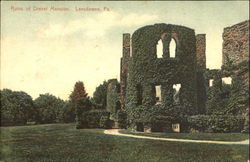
96	26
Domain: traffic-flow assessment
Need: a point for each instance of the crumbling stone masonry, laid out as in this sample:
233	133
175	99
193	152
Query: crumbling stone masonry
202	82
236	48
147	71
236	43
201	51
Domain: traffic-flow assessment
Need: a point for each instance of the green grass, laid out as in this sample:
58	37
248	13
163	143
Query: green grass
63	143
194	136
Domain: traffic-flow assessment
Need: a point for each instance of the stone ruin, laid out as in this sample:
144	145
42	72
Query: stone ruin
147	78
142	71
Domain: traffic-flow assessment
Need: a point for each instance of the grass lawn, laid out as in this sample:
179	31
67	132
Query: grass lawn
62	142
194	136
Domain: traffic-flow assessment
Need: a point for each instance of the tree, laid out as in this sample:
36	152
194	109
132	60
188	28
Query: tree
49	108
16	107
68	115
100	95
79	102
77	94
218	96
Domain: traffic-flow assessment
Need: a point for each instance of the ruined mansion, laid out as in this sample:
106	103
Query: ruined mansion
150	75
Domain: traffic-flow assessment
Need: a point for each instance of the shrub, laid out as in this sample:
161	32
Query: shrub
226	123
198	122
105	122
95	119
122	119
216	123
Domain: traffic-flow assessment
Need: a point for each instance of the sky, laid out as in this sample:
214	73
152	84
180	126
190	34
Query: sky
47	51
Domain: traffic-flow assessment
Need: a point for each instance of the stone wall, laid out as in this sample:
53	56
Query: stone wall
236	43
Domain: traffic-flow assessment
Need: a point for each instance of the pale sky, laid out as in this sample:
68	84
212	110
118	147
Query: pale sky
48	51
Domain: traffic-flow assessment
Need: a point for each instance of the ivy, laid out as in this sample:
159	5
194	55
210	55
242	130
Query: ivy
146	71
113	99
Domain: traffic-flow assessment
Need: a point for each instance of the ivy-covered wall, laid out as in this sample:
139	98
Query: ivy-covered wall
124	67
201	68
145	70
113	99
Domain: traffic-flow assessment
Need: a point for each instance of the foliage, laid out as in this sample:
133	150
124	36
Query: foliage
217	123
226	123
218	99
147	71
246	123
198	122
239	97
105	122
49	108
94	119
229	99
215	99
100	95
83	106
157	116
16	107
77	94
79	102
68	115
122	119
113	99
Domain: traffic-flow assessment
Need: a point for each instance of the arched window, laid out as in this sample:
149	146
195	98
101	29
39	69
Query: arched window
172	48
159	49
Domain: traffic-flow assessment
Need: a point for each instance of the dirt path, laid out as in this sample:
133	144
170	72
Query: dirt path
116	132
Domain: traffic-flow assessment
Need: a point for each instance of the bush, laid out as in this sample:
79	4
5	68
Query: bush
226	123
159	123
198	122
157	117
95	119
122	119
216	123
105	122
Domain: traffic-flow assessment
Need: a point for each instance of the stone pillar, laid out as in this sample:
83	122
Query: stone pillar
124	67
201	51
201	68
